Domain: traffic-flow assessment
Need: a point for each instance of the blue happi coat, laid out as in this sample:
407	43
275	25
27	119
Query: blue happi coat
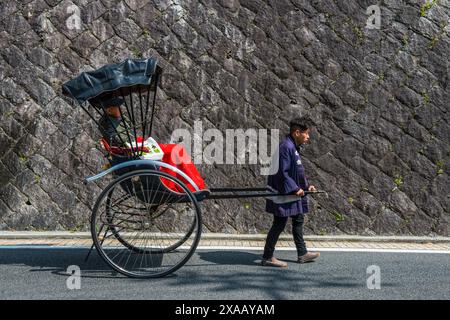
289	178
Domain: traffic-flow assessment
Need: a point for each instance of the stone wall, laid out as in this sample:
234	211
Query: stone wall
379	97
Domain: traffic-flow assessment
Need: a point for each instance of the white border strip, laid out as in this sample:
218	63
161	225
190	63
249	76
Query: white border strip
225	248
45	247
328	249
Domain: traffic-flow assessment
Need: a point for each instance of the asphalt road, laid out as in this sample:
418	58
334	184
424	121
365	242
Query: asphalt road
217	274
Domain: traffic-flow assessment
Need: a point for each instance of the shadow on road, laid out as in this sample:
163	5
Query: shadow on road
242	272
212	274
57	261
230	258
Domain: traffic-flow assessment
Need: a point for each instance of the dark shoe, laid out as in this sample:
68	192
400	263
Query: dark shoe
308	257
273	262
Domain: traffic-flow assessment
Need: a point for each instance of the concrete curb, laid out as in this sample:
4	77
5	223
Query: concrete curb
5	235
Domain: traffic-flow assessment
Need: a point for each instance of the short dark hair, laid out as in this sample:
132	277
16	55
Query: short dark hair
302	123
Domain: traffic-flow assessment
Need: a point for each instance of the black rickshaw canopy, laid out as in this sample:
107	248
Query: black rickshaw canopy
130	75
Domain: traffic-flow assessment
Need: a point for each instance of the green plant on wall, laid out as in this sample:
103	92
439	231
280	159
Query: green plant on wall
136	52
37	178
405	40
426	6
398	180
433	42
77	228
9	114
23	158
407	221
426	97
339	217
440	167
146	33
358	32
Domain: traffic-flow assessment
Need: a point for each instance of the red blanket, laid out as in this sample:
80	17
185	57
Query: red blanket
177	156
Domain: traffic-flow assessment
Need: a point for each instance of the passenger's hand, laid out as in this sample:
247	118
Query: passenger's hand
300	193
312	188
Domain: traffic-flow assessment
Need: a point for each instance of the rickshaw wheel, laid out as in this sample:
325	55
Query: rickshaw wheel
139	226
169	248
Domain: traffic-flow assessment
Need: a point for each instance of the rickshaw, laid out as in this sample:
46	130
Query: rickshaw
147	222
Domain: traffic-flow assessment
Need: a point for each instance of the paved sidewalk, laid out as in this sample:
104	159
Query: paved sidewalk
256	241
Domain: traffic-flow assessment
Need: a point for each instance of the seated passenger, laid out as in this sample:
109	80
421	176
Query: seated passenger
111	125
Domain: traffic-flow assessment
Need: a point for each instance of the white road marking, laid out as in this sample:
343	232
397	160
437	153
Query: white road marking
46	247
329	249
246	249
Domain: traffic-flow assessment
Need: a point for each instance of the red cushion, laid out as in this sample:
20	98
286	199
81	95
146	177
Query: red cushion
177	156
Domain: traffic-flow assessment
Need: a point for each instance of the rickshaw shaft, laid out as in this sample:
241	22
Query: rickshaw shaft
250	195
